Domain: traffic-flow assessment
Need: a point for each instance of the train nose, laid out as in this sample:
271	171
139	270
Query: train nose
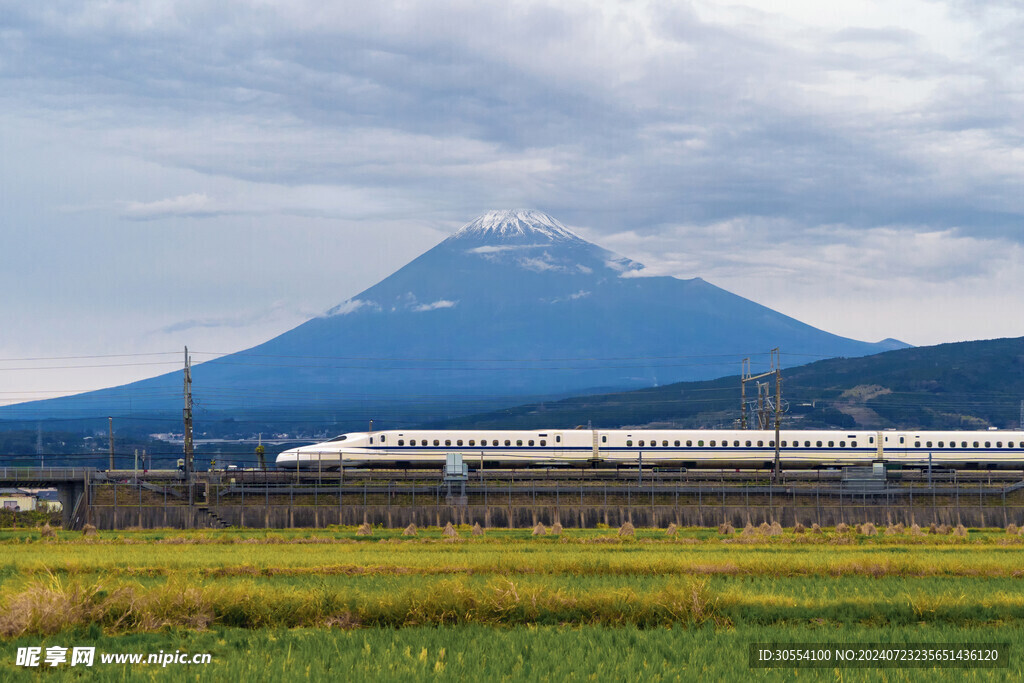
288	458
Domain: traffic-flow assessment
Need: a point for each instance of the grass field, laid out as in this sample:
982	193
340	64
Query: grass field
584	605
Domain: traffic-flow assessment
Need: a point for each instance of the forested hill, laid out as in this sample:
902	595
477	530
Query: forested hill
950	386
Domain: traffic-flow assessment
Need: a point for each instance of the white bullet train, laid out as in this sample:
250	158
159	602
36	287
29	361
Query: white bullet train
747	449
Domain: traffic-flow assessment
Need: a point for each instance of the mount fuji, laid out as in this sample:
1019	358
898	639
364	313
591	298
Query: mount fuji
513	306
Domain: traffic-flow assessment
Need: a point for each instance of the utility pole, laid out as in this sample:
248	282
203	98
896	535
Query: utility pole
188	427
777	363
743	390
110	424
744	373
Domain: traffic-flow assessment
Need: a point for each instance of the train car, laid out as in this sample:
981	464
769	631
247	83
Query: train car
746	449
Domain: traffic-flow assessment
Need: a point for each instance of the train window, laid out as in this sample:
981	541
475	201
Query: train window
401	442
689	443
472	442
783	444
853	444
999	444
543	442
519	442
712	442
819	444
382	438
901	439
530	442
604	439
677	443
963	444
771	444
665	443
871	439
629	442
807	444
831	444
941	444
917	444
700	443
508	442
927	444
436	442
736	443
748	444
558	439
640	443
459	442
447	442
975	444
842	444
988	444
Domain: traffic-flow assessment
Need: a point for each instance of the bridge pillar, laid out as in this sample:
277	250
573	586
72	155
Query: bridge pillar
68	493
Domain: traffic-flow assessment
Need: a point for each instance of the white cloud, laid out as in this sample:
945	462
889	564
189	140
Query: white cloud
440	303
351	306
196	205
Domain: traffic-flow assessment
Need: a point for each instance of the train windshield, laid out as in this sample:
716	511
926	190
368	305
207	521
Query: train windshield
338	438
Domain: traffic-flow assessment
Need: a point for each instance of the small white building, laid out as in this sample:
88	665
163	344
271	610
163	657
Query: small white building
17	500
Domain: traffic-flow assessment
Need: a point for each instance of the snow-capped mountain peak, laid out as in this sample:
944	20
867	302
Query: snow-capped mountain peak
517	223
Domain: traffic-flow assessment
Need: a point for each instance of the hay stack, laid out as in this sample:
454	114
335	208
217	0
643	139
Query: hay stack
816	529
724	528
799	528
364	529
915	530
1012	529
891	530
748	530
764	528
627	529
960	531
932	529
775	529
868	529
410	530
899	527
944	529
842	528
449	531
47	531
477	529
89	530
556	529
539	530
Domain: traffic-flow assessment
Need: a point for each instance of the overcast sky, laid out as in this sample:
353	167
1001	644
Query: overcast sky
213	174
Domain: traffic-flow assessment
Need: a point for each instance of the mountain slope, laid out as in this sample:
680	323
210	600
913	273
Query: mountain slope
966	385
514	305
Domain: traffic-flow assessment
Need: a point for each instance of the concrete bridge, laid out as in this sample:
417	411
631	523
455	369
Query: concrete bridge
71	484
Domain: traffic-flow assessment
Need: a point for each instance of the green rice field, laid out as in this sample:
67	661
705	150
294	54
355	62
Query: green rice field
506	605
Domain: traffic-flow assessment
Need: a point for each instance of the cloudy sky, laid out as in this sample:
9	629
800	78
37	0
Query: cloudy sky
213	174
